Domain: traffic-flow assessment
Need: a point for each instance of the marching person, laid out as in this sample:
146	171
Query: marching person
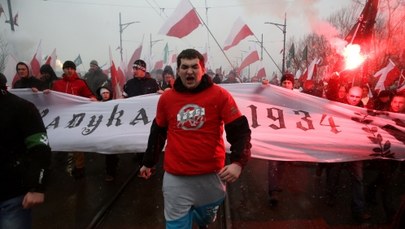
24	159
192	116
72	84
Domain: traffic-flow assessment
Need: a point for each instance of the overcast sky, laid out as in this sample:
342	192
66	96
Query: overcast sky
90	27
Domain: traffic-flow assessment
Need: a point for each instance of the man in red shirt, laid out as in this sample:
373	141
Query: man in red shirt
192	117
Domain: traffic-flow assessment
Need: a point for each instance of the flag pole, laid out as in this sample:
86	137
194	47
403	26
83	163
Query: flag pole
262	46
212	35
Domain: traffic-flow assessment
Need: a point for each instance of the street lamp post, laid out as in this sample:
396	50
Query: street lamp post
151	43
123	26
261	46
283	28
11	15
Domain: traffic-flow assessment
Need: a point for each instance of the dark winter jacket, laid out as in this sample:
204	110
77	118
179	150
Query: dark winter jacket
140	86
24	151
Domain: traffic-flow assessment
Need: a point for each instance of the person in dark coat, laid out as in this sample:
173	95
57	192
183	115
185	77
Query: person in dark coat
47	77
25	157
26	80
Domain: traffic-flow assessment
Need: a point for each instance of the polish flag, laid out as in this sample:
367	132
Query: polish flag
121	78
1	10
158	65
250	59
117	91
387	75
261	73
310	72
401	82
239	32
135	56
182	22
174	58
36	61
51	60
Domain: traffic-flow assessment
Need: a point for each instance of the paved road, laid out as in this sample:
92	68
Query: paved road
74	204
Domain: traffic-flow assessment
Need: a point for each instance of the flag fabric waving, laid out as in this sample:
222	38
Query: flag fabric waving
51	60
1	10
252	57
310	72
158	65
240	31
166	54
261	73
78	61
291	55
363	29
36	61
182	22
387	75
305	54
401	82
117	91
135	56
174	58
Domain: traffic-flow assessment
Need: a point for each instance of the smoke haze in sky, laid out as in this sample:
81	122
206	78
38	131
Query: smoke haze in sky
90	27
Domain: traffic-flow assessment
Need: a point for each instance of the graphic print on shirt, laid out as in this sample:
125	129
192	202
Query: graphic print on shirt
191	117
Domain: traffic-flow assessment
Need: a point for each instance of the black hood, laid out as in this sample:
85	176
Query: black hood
205	83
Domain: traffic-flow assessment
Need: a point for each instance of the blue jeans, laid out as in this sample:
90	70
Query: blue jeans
13	215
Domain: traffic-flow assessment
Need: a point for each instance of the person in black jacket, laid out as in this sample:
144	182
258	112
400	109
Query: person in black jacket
140	84
25	157
25	79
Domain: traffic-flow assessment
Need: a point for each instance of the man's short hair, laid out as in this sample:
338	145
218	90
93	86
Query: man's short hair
287	76
191	54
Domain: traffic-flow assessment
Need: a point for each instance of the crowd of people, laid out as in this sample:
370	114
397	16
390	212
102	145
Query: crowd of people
198	168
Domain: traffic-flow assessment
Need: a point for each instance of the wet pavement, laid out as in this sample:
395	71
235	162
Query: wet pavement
131	202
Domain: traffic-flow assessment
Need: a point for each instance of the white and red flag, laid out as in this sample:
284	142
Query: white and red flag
36	61
51	60
261	73
117	91
252	57
158	65
310	72
1	10
182	22
121	76
240	31
174	58
401	82
135	56
387	75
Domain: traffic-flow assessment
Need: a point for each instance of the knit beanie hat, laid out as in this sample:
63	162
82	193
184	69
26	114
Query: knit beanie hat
94	62
168	69
287	76
69	64
140	64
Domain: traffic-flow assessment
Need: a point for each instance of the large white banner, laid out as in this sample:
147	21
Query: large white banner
286	125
